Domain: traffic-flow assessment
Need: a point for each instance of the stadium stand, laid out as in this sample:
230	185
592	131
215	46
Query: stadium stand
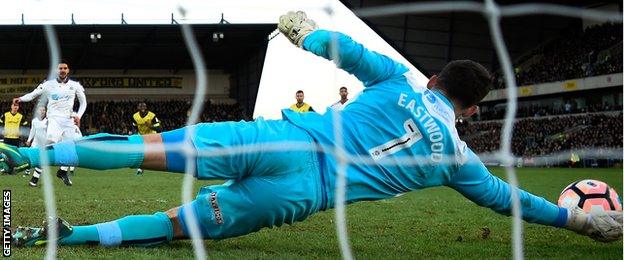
569	107
543	128
595	51
115	116
547	135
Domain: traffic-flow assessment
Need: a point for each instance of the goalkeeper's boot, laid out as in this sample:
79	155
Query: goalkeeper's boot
62	174
32	236
11	160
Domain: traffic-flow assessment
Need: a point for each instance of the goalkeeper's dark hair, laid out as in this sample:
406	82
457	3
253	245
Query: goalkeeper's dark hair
465	81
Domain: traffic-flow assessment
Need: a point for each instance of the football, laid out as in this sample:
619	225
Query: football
591	196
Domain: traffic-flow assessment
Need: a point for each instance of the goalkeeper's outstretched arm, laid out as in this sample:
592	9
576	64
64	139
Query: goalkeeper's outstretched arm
368	66
476	183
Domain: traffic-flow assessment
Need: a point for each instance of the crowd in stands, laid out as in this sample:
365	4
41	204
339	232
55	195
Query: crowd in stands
544	136
595	51
568	107
116	116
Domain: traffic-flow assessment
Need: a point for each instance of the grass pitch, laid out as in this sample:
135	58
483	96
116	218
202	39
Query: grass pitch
431	223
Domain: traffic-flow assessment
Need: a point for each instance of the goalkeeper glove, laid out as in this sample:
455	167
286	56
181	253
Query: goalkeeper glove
296	26
601	226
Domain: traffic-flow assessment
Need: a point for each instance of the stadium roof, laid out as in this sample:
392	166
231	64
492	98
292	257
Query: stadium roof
126	46
428	41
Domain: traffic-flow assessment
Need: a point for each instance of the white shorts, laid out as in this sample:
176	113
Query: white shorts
62	129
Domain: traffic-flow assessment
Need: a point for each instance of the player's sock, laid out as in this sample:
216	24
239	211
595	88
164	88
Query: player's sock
136	230
35	177
101	151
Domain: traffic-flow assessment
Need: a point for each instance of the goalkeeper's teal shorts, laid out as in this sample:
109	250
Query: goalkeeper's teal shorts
274	176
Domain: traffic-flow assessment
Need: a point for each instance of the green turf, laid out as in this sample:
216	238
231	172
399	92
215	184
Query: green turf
432	223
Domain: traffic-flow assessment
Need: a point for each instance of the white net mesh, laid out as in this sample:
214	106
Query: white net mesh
491	11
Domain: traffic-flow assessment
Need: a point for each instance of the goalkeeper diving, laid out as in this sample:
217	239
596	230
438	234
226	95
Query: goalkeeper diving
393	118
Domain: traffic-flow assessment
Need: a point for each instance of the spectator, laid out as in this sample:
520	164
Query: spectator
569	107
538	137
574	55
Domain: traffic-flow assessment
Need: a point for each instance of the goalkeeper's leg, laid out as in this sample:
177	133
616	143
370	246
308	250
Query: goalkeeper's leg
221	211
101	151
251	204
135	230
163	151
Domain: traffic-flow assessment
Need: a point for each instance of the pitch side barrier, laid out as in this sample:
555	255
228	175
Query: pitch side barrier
606	113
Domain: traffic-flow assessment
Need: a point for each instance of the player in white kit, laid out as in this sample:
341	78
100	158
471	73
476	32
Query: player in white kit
38	129
340	104
60	94
77	135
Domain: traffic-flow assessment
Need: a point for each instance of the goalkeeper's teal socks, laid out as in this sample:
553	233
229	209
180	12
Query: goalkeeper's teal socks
137	230
100	151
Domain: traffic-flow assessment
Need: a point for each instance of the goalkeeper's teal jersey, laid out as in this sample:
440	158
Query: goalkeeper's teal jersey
393	119
402	136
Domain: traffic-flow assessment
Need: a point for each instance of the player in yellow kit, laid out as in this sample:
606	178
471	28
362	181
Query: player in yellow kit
146	123
12	121
301	106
